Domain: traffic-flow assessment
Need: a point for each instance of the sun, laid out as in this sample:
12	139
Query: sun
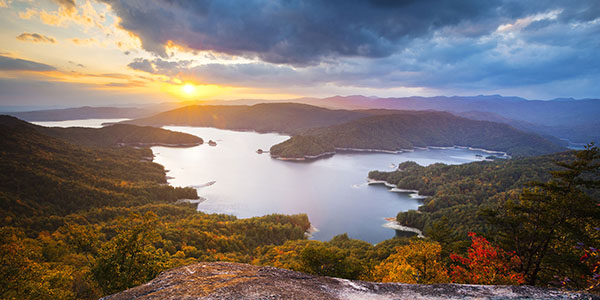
188	89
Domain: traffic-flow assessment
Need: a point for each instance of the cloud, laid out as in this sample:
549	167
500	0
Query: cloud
5	3
76	64
16	64
87	41
36	38
68	5
298	32
445	46
143	65
129	84
304	33
159	66
53	93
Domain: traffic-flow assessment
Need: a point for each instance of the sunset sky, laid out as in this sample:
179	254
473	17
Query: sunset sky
106	52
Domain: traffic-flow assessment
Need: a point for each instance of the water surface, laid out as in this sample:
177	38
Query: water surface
92	123
332	191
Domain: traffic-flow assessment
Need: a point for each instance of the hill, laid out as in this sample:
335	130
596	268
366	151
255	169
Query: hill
289	118
81	221
457	192
84	112
111	136
43	175
516	108
561	118
407	130
123	134
568	119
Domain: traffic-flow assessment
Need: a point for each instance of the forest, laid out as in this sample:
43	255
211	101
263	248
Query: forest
407	130
80	221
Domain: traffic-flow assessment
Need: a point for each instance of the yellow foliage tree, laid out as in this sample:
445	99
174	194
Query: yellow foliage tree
418	262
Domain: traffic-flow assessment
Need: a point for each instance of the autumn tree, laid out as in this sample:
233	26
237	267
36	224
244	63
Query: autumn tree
485	264
24	275
130	258
549	218
329	261
418	262
591	258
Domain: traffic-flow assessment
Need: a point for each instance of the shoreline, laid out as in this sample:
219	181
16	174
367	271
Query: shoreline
192	201
393	224
395	189
305	158
179	145
499	154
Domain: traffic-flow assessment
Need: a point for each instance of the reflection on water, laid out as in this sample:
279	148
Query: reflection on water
93	123
332	191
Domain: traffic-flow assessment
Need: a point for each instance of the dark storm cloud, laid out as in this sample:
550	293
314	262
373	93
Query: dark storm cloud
299	32
16	64
455	45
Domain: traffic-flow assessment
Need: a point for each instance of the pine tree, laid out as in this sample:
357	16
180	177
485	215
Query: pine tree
549	219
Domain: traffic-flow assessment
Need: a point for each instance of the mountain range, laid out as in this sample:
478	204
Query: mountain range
569	119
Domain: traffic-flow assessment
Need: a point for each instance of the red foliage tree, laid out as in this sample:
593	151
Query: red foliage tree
485	264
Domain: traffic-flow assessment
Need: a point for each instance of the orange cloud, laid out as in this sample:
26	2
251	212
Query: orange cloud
36	38
5	3
68	5
87	41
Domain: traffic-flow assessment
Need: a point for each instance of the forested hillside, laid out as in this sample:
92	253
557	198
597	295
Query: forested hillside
546	210
109	136
289	118
406	130
79	222
457	192
44	176
123	134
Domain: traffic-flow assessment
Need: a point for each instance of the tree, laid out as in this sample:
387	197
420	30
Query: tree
23	275
329	261
130	258
549	218
485	264
591	258
418	262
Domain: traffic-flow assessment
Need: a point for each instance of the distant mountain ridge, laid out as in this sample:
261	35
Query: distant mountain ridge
564	118
571	119
84	112
289	118
407	130
318	131
109	136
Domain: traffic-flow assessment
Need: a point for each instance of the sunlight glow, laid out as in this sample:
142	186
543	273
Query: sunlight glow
189	89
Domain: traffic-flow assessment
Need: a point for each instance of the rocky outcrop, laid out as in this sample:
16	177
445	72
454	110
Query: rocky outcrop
225	281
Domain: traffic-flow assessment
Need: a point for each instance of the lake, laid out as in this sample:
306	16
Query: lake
92	123
332	191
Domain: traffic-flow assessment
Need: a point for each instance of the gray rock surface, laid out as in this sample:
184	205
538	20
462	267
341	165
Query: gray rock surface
220	280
